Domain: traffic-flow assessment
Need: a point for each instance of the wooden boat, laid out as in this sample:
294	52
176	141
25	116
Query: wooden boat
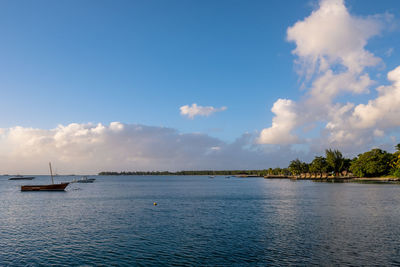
20	177
49	187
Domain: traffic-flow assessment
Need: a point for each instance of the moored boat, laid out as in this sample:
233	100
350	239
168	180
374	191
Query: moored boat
49	187
20	177
84	180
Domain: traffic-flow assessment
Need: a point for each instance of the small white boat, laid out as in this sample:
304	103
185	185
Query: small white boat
84	179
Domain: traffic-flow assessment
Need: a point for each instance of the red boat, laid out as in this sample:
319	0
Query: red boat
48	187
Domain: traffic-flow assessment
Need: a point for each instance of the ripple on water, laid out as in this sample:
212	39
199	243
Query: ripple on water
198	222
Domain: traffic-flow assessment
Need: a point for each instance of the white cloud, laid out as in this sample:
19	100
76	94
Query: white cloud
195	110
91	148
330	35
330	50
282	124
384	111
363	121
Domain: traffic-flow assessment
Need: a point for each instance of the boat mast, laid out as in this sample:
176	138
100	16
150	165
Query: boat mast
51	173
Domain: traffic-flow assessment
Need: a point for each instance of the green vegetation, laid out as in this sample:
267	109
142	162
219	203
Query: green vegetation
297	167
374	163
335	160
319	166
395	163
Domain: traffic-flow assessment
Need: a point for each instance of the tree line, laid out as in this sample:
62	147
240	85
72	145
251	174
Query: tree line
374	163
193	172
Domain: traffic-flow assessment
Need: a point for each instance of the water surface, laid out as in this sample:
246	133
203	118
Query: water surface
199	221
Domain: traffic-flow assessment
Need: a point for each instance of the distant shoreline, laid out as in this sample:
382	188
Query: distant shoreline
328	179
342	179
244	173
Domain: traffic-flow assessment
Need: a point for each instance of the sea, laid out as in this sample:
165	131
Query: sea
199	221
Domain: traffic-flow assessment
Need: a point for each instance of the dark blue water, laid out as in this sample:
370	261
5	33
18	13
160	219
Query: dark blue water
199	221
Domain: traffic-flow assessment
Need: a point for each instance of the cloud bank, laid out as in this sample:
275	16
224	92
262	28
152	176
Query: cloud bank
332	58
91	148
195	110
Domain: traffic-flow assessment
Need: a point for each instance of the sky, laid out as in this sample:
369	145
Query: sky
178	85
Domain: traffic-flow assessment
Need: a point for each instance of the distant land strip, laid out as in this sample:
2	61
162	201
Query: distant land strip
203	172
372	164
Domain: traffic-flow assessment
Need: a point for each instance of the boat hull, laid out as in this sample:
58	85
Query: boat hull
50	187
21	178
85	181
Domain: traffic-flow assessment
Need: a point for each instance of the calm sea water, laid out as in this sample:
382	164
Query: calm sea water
199	221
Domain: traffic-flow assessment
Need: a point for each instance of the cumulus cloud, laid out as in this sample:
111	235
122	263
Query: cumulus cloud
331	56
91	148
330	35
384	111
195	110
360	123
282	124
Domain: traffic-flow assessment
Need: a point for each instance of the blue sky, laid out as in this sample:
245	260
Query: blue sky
138	62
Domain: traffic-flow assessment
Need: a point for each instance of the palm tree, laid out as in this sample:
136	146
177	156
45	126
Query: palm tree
318	166
335	160
296	167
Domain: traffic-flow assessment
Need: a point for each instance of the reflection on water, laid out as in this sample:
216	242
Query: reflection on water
200	221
